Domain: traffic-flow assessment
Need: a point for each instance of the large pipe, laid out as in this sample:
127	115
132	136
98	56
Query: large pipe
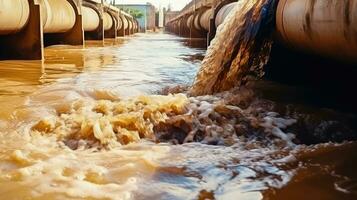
58	16
120	23
90	19
130	23
205	19
320	26
107	21
14	15
224	12
125	22
117	23
135	25
196	22
189	21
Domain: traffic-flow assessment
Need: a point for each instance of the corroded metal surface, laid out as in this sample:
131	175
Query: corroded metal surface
205	18
320	26
189	21
327	28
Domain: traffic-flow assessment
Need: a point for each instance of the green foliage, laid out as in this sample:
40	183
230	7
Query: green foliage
137	14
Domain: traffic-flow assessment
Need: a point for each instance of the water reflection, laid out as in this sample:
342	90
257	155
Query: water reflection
145	65
23	77
37	166
199	43
20	77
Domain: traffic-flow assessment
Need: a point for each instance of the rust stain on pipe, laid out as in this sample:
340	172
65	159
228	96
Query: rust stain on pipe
324	27
205	19
189	21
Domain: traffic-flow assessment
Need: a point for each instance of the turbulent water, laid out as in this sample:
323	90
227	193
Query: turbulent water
105	122
239	50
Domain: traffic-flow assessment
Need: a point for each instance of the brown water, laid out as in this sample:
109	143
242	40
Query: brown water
239	50
88	124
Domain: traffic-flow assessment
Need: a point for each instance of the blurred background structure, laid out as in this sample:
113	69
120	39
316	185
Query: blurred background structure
144	13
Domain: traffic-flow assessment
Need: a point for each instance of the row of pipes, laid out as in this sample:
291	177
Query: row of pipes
58	16
96	20
328	28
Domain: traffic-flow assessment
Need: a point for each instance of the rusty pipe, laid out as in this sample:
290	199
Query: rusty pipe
130	24
90	19
14	15
223	13
205	19
189	21
135	26
325	27
120	23
58	16
125	22
196	22
107	21
117	23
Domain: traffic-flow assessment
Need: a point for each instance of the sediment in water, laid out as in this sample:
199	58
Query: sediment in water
240	48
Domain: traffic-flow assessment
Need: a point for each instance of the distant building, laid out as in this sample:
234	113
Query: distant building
147	21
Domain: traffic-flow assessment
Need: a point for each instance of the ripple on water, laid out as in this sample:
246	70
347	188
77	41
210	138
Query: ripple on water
254	156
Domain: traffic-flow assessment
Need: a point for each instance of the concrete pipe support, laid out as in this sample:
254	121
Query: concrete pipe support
90	19
107	21
14	15
325	27
58	16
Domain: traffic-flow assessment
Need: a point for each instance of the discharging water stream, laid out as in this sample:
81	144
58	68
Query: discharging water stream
88	124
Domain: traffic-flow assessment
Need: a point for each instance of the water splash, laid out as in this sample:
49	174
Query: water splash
240	49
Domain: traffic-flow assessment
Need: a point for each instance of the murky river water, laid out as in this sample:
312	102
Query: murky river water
47	150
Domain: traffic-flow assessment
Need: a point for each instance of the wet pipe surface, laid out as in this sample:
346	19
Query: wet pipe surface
90	124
